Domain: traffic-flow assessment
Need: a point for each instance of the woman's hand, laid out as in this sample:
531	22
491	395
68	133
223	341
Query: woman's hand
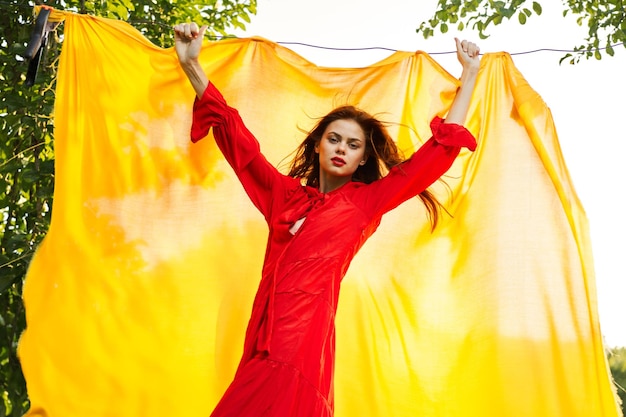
468	54
188	41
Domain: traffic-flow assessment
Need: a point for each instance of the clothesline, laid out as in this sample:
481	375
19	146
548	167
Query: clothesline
434	53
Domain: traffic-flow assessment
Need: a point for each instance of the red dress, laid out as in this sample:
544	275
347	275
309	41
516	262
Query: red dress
289	349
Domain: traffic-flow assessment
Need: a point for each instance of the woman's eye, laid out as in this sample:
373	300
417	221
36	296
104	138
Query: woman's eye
332	139
354	146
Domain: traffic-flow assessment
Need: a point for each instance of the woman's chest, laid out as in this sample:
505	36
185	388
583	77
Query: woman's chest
327	225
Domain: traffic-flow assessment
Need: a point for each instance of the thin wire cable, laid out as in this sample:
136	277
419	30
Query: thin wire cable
368	48
382	48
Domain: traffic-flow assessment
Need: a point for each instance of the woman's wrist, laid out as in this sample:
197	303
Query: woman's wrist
191	66
470	73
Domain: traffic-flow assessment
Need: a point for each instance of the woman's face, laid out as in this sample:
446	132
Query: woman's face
341	150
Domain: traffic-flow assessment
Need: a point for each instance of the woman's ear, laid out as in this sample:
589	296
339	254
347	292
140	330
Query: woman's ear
363	161
316	148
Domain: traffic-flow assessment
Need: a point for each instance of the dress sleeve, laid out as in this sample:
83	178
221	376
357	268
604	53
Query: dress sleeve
261	180
417	173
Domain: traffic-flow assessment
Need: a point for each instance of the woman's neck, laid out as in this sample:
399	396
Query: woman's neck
331	184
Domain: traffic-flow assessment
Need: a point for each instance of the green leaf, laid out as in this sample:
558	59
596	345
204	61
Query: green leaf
609	50
522	18
6	280
507	12
46	167
537	8
442	15
443	28
10	166
30	175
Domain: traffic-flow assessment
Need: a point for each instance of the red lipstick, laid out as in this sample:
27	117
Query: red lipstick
338	161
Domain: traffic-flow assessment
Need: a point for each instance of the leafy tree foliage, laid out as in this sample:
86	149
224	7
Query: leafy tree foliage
617	363
26	142
605	20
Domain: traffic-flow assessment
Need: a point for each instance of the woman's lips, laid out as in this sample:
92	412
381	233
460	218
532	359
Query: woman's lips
338	161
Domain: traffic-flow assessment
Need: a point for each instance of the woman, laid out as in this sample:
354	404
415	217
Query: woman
314	229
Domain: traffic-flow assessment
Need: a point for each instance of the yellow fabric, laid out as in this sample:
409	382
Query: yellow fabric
138	298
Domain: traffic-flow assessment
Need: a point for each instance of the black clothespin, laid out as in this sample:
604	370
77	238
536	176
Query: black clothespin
37	43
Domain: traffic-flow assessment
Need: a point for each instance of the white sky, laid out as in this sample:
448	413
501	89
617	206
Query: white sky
586	99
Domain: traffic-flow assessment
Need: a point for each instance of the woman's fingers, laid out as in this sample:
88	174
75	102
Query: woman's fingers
188	31
469	48
191	30
472	49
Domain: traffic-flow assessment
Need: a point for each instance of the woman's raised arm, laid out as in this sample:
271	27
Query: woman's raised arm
468	55
188	42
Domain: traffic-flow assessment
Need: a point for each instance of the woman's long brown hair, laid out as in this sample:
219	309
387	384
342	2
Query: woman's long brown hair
381	152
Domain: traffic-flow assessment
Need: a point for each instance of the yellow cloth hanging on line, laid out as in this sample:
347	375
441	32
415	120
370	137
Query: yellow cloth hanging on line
138	298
